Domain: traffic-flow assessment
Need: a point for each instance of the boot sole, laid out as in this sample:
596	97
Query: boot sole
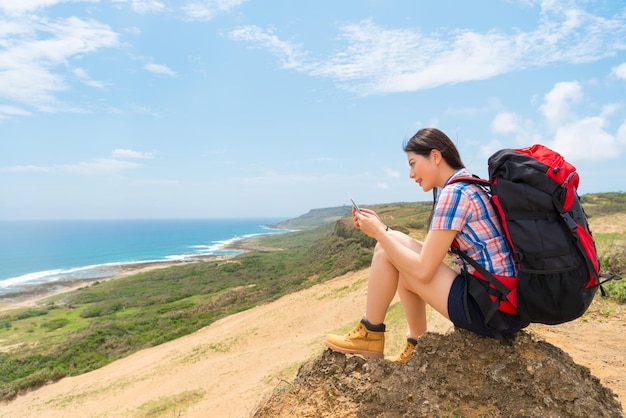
364	353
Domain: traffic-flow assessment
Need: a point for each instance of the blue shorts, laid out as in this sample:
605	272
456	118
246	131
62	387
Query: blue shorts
456	312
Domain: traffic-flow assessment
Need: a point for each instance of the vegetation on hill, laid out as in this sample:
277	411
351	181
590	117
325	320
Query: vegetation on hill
314	218
400	215
611	245
89	328
599	204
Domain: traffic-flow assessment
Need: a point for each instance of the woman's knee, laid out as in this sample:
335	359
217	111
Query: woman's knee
404	239
379	250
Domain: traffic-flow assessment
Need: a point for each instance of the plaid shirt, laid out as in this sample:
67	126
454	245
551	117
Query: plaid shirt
466	208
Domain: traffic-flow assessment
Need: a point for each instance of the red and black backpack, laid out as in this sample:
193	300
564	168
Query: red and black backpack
534	192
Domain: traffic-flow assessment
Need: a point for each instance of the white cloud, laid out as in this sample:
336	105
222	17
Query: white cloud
146	6
575	136
382	61
522	131
506	123
620	71
291	55
9	111
133	30
127	153
24	169
140	109
579	137
99	166
621	134
34	48
27	6
374	59
486	150
205	10
154	182
586	139
391	173
557	105
143	6
84	78
159	69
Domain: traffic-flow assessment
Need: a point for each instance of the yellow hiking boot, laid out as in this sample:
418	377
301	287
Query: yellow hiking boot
406	353
362	341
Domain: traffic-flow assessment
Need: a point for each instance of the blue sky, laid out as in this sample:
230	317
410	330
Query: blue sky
234	108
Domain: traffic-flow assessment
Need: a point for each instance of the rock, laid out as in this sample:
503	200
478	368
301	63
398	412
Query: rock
457	374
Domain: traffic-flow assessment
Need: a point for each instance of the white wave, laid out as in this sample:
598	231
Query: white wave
109	269
216	247
36	277
180	257
48	276
207	249
94	271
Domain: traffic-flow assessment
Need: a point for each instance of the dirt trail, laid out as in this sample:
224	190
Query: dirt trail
228	368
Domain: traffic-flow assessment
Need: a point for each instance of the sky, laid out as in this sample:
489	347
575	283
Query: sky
127	109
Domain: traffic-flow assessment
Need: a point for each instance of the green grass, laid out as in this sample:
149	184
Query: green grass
96	325
170	406
93	326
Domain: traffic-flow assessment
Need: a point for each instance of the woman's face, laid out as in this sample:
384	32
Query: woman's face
422	170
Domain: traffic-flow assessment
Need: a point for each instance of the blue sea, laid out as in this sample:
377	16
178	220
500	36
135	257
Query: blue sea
36	252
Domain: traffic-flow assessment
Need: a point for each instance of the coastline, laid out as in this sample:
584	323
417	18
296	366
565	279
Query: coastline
28	288
30	295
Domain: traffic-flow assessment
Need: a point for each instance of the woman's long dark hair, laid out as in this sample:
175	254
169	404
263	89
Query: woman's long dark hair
428	139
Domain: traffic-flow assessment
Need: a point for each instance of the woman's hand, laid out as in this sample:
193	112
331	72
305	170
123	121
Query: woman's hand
368	222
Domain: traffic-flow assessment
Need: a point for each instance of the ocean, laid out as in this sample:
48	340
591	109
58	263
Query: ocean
36	252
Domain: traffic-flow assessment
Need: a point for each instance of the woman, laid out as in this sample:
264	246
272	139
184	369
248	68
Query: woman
414	269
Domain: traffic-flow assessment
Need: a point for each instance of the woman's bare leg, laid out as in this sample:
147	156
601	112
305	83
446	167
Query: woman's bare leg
414	311
381	286
385	280
383	283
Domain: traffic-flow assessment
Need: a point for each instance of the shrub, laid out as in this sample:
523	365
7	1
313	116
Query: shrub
616	290
55	324
92	312
29	313
613	260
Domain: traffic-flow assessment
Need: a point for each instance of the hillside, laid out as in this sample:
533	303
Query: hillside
232	366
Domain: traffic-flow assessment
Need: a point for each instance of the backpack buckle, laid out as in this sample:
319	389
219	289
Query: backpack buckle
569	221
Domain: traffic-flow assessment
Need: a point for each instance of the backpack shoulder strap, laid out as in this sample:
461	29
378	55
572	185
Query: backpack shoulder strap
483	272
474	179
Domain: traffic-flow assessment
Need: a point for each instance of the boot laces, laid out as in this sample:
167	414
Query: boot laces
408	349
356	331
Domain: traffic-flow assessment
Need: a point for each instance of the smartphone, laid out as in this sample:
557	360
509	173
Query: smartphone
358	209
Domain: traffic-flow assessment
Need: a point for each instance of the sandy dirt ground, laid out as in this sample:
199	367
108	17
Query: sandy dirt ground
234	362
231	366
